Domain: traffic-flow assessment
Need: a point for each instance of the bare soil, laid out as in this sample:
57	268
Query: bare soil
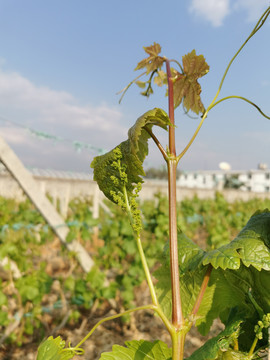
142	325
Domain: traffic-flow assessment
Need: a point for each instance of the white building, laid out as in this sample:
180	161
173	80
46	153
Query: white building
252	180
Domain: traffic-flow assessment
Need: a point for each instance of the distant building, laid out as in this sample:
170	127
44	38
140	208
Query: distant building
252	180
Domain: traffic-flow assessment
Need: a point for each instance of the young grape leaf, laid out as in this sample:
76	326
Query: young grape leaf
217	347
251	246
53	349
186	86
141	84
154	61
133	152
161	78
139	350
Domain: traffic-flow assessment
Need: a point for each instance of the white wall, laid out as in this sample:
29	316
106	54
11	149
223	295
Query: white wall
65	190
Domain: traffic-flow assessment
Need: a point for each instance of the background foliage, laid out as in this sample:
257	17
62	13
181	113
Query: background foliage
41	283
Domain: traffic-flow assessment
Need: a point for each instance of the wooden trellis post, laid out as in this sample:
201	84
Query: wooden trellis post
47	210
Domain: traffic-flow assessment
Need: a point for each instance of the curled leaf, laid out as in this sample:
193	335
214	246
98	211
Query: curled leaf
218	348
129	155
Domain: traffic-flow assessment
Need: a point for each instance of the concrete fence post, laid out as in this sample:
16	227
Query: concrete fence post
47	210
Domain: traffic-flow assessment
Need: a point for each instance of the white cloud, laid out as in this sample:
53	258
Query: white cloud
215	11
50	106
254	8
211	10
13	135
57	113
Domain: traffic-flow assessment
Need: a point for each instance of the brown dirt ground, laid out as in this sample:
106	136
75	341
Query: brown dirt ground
142	325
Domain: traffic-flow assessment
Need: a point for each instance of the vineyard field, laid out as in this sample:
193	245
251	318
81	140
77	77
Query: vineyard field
44	291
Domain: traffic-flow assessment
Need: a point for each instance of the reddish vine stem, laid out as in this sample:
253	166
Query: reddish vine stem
177	314
171	110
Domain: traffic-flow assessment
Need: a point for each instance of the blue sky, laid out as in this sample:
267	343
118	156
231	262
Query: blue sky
62	63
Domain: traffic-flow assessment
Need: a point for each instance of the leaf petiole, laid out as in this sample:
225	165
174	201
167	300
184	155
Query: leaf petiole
202	291
160	147
178	63
251	351
141	252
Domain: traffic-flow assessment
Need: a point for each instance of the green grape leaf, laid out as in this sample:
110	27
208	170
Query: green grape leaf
260	224
186	86
191	275
225	290
217	347
133	152
54	349
137	134
251	246
190	284
154	61
234	289
232	355
104	172
189	254
3	298
260	288
218	296
139	350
